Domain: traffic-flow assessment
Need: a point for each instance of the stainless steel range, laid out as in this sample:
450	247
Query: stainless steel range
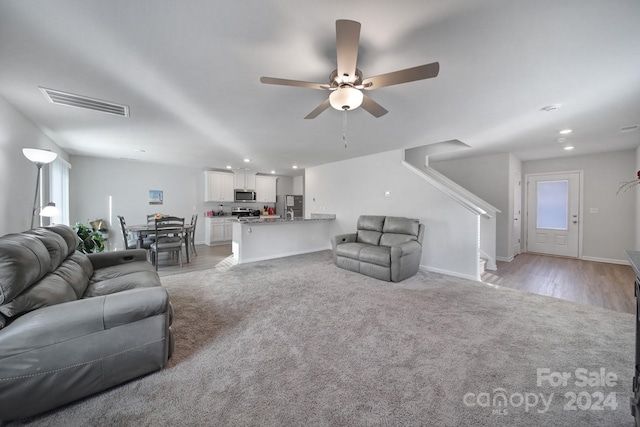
241	211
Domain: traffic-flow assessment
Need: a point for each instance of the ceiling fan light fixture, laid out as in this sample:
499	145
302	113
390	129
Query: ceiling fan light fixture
346	98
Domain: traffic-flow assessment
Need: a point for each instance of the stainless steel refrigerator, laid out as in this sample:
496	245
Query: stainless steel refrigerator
294	202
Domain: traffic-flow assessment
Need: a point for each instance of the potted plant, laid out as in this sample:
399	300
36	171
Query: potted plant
91	241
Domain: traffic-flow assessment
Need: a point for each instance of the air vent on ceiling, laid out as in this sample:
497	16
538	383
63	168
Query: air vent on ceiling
631	128
72	100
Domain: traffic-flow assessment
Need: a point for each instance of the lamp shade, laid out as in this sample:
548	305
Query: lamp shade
50	210
39	157
345	98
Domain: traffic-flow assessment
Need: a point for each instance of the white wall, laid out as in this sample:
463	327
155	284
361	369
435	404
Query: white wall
490	178
17	174
128	183
94	180
608	233
357	187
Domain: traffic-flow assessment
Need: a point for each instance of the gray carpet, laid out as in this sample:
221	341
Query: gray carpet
299	342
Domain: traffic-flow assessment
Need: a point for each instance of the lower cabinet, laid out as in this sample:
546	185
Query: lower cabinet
217	230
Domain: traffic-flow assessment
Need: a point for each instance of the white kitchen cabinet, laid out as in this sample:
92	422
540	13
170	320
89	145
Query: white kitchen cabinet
218	186
218	230
244	181
266	189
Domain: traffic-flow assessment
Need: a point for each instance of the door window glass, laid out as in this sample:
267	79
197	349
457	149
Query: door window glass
553	204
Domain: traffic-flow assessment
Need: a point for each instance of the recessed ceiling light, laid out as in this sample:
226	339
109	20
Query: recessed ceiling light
295	166
569	147
565	131
229	167
561	140
273	171
246	160
551	107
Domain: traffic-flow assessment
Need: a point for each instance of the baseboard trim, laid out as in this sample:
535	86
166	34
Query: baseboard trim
607	260
450	273
505	259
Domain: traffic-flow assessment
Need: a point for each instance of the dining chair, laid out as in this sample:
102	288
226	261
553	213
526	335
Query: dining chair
192	233
130	240
169	232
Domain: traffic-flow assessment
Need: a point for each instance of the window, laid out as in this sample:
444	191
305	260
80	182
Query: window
59	189
553	205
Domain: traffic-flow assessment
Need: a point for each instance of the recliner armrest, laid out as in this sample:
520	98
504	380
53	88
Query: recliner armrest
107	259
404	249
343	238
71	320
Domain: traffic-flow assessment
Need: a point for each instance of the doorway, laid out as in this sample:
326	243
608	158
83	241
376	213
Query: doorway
554	213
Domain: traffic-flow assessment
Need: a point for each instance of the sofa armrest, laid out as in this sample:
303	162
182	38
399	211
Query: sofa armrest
107	259
56	324
81	347
342	238
405	260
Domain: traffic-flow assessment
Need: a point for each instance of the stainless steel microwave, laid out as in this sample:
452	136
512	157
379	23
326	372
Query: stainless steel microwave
244	196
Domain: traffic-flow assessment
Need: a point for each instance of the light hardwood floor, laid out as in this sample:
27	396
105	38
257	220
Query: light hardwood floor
219	256
609	286
599	284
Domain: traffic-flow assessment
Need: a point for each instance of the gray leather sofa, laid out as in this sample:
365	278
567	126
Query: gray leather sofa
73	324
385	247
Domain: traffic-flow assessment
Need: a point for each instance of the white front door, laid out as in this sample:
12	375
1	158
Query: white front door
553	214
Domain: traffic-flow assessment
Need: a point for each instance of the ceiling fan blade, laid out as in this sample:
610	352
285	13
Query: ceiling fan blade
347	40
420	72
315	113
296	83
373	107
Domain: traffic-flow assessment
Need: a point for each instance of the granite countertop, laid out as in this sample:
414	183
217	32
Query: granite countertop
313	217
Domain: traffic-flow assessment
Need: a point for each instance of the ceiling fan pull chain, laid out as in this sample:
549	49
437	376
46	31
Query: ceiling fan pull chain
344	127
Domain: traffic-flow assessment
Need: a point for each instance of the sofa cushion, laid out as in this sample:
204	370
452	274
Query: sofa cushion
368	237
24	259
67	234
120	270
350	250
399	230
390	239
378	255
399	225
50	290
55	244
140	279
370	222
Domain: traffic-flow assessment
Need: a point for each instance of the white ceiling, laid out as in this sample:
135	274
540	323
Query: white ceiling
190	70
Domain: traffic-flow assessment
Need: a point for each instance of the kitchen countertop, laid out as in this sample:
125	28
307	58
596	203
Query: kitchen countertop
278	220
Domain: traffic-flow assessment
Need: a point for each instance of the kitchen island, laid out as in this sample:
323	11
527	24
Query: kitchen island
267	238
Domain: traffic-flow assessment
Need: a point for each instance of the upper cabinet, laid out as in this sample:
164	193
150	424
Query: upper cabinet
244	181
266	189
218	186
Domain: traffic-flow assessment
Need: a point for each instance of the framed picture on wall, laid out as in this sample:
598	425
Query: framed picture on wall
155	197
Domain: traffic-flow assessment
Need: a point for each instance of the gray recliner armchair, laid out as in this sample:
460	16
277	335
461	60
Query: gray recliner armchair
384	247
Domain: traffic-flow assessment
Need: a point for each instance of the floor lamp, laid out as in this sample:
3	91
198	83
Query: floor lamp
40	158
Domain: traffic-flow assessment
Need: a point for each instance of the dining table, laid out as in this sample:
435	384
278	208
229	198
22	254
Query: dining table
143	230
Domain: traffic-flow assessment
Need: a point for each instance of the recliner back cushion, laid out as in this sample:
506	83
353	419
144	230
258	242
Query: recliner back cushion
68	235
50	290
66	283
24	259
55	244
398	230
369	229
398	225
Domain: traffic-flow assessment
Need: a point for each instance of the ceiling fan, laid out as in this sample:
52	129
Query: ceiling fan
346	82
